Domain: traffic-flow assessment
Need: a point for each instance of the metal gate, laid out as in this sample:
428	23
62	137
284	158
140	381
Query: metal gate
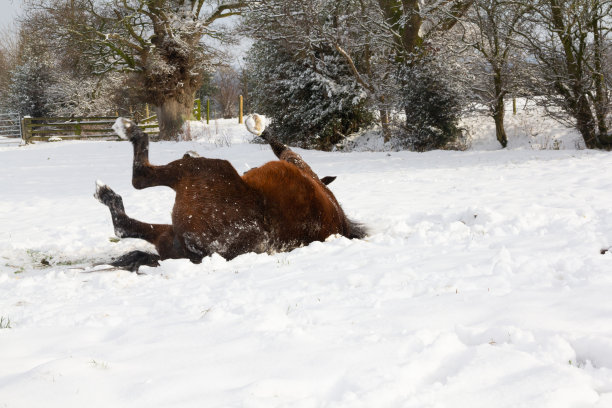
10	125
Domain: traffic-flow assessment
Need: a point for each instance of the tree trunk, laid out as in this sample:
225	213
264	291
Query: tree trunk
585	123
499	109
578	102
384	123
171	115
500	132
600	101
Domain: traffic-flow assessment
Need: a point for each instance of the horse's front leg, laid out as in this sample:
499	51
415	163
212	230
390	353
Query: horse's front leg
144	174
160	235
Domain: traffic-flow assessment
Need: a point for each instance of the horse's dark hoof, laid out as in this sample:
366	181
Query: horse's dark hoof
108	197
135	259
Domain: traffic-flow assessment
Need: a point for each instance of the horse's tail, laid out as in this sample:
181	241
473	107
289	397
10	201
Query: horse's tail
356	229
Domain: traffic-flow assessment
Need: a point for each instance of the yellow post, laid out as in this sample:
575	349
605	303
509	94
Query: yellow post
147	110
514	105
240	113
198	109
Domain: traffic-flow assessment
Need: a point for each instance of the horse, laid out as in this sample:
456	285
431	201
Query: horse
276	207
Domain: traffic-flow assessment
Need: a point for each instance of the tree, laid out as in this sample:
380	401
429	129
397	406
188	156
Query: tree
227	90
374	39
49	76
489	30
569	39
8	62
69	95
314	103
157	41
28	87
434	124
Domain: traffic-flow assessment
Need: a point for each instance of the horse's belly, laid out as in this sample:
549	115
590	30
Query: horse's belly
209	222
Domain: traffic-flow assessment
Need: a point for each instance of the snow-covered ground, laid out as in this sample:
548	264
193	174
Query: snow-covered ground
527	129
481	284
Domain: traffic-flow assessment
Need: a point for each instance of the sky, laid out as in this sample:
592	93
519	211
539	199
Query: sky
8	11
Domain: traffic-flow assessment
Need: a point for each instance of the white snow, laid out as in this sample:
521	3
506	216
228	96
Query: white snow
480	285
527	129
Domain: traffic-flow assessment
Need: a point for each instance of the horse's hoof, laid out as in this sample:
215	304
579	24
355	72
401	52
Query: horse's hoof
135	259
123	128
108	197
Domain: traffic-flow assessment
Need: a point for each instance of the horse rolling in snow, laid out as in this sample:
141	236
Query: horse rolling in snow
276	207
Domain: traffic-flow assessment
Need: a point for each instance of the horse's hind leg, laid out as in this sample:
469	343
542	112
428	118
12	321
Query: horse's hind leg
255	125
283	152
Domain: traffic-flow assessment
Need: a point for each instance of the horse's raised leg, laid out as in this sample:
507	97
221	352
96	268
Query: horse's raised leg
255	125
284	152
144	174
160	235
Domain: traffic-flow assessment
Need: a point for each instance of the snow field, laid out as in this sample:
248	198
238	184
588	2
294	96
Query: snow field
480	285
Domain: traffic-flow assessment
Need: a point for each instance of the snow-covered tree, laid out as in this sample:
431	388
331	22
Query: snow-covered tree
92	96
433	106
28	88
489	29
313	102
569	41
8	61
373	39
158	41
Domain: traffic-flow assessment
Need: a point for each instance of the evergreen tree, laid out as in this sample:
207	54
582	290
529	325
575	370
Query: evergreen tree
313	102
28	88
432	106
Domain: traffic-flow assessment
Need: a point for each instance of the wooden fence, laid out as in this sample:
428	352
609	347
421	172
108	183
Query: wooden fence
36	129
45	129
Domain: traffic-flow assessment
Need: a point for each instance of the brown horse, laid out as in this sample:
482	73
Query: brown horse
276	207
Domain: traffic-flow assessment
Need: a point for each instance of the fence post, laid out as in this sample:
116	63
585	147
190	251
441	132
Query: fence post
240	112
198	109
77	128
207	111
514	105
26	129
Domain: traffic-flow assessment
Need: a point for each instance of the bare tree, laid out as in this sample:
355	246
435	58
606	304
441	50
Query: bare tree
227	90
570	39
489	29
157	41
8	62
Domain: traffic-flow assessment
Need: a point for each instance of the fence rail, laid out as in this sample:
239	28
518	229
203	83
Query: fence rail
10	125
37	129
